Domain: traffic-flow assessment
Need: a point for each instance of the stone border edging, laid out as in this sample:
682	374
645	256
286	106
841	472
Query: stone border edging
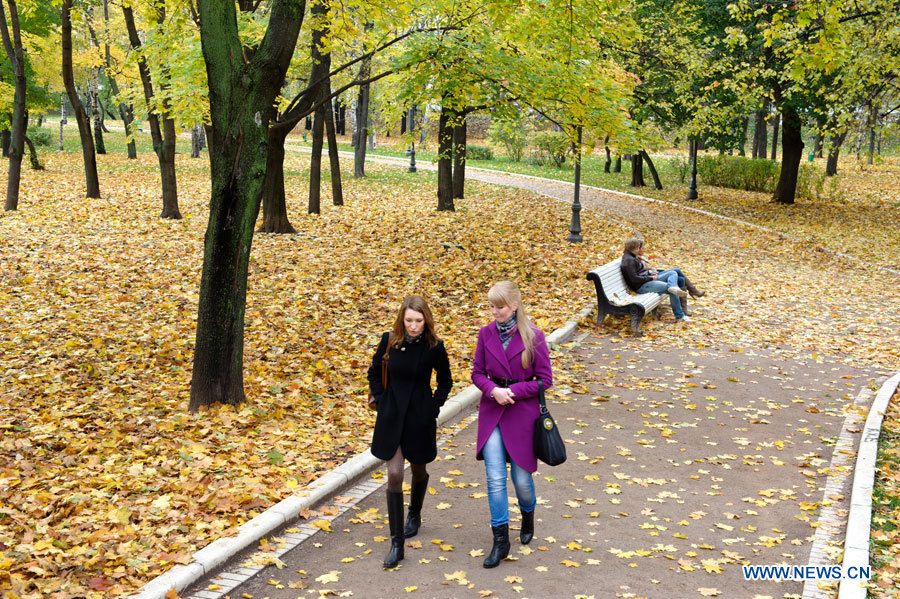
859	521
287	510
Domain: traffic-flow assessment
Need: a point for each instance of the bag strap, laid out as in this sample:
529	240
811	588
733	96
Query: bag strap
541	399
384	363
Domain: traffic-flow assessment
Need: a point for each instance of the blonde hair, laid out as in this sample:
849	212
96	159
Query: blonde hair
633	243
505	293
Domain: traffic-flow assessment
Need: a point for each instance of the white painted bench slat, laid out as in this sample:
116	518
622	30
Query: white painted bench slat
612	286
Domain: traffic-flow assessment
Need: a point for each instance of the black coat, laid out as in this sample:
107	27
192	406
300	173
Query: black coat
634	271
407	410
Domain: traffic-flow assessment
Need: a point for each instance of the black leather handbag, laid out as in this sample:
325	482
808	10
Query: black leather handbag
548	444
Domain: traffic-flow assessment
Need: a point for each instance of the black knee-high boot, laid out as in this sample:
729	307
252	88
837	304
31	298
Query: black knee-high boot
395	521
527	532
414	516
501	546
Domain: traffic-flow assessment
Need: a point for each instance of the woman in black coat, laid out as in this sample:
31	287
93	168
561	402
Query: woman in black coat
406	426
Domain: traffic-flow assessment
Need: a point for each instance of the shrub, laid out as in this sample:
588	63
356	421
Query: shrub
41	136
737	172
479	153
810	182
553	146
512	135
682	166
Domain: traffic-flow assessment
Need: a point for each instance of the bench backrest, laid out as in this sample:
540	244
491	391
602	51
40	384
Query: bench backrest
612	281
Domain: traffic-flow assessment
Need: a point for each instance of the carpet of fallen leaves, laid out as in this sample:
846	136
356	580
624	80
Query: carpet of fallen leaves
105	479
886	508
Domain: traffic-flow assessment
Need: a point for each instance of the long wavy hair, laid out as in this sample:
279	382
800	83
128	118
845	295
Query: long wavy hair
505	293
417	304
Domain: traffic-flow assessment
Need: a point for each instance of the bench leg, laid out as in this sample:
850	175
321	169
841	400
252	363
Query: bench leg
657	312
636	324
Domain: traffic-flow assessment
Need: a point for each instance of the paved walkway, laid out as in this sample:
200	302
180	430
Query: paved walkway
682	466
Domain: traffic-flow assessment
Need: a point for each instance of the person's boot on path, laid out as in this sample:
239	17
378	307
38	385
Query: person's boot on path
416	498
395	521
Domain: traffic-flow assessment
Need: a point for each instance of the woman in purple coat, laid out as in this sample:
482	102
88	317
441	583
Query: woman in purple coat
510	356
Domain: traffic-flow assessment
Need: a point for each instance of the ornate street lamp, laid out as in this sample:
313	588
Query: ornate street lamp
575	225
692	190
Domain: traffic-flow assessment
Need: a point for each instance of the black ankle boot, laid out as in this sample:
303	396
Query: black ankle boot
395	521
527	532
414	517
501	546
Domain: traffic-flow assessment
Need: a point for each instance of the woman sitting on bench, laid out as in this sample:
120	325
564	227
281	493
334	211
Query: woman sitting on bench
642	279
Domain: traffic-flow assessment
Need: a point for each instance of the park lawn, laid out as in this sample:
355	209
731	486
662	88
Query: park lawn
857	212
885	545
107	481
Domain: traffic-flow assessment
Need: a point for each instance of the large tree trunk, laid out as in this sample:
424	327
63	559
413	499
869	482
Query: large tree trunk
637	170
6	141
608	163
163	137
93	96
196	141
445	162
274	201
315	161
33	156
833	153
126	111
167	170
759	132
617	165
459	160
92	181
775	122
656	182
742	149
362	119
791	155
242	96
12	43
334	161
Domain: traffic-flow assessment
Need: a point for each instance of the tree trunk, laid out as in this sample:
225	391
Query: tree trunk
775	123
637	170
5	141
94	99
403	122
127	114
334	161
33	156
833	153
459	160
12	43
871	124
196	146
315	161
362	119
791	155
92	181
653	173
167	170
241	95
163	138
340	122
617	165
759	133
742	149
445	162
274	201
608	163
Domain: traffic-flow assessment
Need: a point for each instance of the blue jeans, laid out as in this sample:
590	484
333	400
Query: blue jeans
678	274
660	286
494	453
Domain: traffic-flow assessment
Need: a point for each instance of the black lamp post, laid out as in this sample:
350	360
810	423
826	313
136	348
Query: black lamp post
692	190
410	125
575	225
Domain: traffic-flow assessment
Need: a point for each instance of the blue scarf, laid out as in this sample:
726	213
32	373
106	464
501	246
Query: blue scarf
507	330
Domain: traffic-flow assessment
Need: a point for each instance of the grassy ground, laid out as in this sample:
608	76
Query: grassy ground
106	480
886	507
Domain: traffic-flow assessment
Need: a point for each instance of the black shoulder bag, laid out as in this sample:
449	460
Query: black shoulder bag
548	444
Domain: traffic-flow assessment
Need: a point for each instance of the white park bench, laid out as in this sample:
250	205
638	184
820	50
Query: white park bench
614	297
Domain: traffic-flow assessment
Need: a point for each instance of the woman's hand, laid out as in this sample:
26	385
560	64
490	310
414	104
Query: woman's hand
504	397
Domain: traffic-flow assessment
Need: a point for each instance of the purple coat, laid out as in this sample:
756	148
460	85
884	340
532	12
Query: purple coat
516	421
